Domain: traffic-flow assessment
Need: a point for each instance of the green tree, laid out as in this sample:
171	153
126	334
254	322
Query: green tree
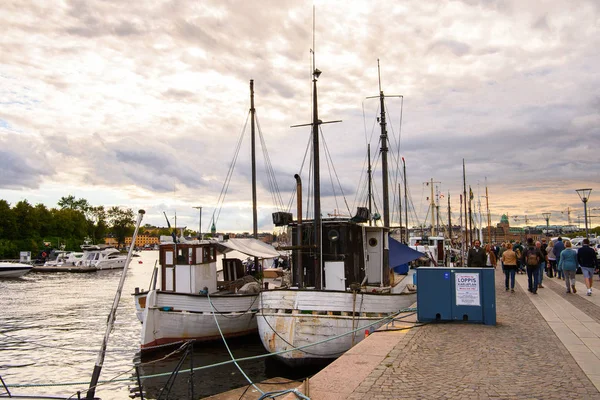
26	225
121	223
8	223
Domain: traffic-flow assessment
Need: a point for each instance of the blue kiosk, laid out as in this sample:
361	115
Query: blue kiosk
456	294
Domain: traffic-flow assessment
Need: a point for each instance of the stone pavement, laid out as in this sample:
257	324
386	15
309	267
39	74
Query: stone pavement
544	346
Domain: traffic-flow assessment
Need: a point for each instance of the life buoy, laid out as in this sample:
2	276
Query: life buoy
44	254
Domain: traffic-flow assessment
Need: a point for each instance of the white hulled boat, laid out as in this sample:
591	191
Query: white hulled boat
341	277
186	293
102	257
13	270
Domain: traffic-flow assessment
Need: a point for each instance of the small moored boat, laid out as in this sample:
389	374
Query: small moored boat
13	270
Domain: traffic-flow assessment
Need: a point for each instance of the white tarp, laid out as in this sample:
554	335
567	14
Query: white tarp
250	247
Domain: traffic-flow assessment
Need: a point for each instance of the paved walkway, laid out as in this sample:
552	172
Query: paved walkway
544	346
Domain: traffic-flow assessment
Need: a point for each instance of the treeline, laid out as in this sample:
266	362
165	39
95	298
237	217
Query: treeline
24	227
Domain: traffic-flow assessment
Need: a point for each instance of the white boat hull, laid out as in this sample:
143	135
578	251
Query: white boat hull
168	318
14	270
291	319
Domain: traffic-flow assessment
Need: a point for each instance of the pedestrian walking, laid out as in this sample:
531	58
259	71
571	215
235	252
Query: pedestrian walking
567	263
586	257
517	248
542	268
476	257
551	258
490	260
531	259
559	246
509	267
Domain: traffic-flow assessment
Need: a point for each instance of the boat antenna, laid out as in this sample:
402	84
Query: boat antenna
113	313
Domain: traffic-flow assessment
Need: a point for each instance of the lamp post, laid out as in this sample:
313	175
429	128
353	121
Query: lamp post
584	195
199	208
547	218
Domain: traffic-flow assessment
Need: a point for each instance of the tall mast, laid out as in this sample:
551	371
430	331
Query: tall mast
470	215
369	171
405	199
317	181
400	209
465	196
489	221
253	146
432	207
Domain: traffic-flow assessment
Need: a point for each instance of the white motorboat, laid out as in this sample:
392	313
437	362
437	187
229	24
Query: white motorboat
189	302
102	257
64	258
13	270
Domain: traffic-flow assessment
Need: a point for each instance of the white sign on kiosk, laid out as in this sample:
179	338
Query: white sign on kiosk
467	289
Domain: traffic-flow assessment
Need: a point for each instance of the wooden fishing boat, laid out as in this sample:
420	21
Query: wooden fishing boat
342	282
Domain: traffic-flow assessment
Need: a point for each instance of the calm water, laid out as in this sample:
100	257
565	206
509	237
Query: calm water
52	326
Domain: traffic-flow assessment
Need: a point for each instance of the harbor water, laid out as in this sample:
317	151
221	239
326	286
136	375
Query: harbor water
52	326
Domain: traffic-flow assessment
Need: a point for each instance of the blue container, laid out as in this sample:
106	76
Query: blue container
459	294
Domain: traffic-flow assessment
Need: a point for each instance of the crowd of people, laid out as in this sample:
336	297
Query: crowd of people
538	259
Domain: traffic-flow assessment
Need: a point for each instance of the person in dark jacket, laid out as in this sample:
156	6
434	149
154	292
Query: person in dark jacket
476	257
586	258
533	276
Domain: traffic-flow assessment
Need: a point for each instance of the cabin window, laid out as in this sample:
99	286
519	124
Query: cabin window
333	235
181	258
372	242
168	258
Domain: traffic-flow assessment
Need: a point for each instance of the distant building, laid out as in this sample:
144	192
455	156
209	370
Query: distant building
142	240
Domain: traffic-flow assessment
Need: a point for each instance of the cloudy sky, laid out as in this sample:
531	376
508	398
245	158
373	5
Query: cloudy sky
141	104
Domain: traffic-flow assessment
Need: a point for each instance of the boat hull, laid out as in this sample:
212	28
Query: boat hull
14	270
169	318
292	319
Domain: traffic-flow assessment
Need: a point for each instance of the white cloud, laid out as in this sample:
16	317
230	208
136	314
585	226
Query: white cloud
142	103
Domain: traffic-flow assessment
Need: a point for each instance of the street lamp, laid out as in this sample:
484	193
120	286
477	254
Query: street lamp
547	218
199	222
584	195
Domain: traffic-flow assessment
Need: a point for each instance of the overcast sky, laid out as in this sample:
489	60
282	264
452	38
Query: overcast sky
140	104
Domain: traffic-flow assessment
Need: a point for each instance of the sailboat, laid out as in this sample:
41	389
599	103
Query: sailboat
342	283
187	300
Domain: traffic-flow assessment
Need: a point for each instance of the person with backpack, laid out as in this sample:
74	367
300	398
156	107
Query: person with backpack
531	258
568	265
586	257
518	249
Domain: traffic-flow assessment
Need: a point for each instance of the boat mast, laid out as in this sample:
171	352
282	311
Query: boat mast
369	172
432	209
113	314
465	197
253	145
405	200
253	157
487	206
400	209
